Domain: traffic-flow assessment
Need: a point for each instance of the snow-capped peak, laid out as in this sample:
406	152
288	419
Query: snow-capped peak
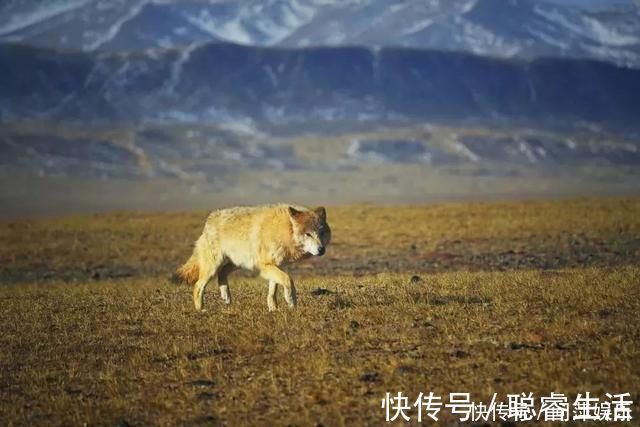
599	29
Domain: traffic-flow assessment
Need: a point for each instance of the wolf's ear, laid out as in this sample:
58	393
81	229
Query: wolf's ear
321	212
294	213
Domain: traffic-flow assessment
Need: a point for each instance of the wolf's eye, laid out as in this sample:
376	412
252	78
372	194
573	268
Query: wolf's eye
307	234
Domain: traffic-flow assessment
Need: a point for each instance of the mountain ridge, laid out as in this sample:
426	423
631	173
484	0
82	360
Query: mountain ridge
520	28
219	81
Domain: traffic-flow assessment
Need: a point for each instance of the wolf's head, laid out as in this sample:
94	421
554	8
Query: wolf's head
310	230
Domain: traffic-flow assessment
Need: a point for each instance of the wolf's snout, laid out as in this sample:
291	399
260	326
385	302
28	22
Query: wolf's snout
321	251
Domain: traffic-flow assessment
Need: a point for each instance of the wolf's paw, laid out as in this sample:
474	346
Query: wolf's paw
291	300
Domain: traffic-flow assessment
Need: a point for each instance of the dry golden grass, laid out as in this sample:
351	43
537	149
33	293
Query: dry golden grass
514	297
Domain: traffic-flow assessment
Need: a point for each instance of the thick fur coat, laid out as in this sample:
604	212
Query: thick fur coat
258	238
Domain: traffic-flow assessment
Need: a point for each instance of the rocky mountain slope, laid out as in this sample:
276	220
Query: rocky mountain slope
222	82
595	29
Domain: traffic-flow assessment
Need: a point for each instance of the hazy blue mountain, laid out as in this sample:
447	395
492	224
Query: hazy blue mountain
596	29
216	82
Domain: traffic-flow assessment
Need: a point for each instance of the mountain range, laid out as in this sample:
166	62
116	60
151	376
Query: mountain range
287	98
221	82
595	29
288	61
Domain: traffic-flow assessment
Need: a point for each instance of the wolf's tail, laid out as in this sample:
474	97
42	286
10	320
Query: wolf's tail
188	272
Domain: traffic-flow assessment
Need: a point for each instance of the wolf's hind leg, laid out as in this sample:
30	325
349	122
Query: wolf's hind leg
208	269
223	282
198	289
271	296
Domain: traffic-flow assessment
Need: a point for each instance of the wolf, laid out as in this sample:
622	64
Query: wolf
261	238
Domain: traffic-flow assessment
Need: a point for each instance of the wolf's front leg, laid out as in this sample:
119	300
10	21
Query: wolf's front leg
271	296
290	294
273	273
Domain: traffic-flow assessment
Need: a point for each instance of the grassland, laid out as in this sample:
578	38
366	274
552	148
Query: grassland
511	297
